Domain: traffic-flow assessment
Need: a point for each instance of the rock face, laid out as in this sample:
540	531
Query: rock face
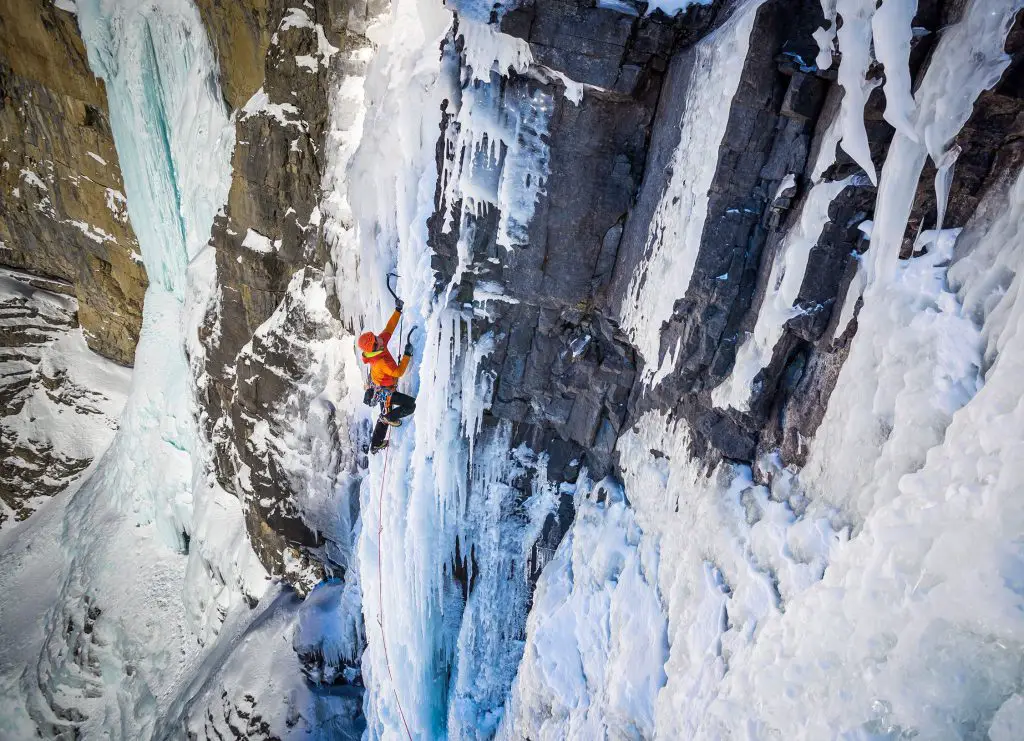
561	363
63	211
240	33
266	241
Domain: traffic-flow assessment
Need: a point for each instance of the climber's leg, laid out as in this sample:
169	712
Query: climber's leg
402	405
380	430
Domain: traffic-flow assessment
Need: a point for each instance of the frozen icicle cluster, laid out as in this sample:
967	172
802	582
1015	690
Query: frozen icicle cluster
500	526
967	60
496	155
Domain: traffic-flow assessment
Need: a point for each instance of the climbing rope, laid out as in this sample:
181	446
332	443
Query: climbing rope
380	580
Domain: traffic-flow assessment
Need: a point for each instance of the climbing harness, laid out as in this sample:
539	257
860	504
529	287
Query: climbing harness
380	584
378	395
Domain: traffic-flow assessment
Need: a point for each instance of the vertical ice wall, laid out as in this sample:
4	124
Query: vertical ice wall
433	661
170	125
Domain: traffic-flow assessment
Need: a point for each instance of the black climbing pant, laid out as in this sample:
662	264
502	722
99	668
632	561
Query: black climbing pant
402	405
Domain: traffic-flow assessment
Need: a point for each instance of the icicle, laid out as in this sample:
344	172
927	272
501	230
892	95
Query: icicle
943	183
892	29
855	44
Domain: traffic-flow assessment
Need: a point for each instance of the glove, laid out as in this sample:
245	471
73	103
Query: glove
399	304
408	348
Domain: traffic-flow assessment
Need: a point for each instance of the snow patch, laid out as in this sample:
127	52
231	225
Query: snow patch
256	242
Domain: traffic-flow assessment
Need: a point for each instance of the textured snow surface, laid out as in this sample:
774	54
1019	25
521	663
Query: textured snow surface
65	399
598	642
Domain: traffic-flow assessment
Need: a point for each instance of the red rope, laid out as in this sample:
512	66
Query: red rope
380	580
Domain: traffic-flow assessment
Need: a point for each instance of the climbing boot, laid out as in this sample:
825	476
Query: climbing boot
378	448
391	422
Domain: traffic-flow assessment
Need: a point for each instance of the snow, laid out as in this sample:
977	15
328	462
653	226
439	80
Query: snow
118	205
295	18
32	179
31	567
251	682
68	408
488	50
1008	723
257	242
915	626
676	228
583	677
97	158
284	113
299	18
308	63
788	183
97	235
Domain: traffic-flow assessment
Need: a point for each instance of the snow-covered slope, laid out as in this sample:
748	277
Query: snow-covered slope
60	402
714	438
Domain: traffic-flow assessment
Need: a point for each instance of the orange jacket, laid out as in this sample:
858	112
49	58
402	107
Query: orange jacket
384	371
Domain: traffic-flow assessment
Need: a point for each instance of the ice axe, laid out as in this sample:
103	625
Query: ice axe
399	304
408	340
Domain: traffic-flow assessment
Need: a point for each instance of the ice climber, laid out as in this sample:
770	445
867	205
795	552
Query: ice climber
384	375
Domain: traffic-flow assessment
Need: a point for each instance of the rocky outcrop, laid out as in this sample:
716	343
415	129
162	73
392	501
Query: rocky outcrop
240	34
266	241
563	371
59	403
63	213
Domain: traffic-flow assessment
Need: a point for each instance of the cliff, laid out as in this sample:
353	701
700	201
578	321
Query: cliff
714	309
64	212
